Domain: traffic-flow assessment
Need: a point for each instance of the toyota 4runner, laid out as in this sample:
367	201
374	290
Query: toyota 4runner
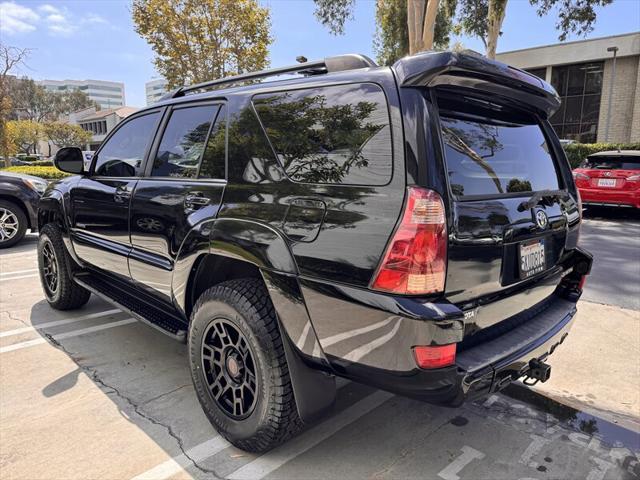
413	227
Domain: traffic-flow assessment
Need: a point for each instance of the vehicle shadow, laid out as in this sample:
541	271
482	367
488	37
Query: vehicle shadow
146	376
611	213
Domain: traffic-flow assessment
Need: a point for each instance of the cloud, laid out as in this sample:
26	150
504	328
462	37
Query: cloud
60	22
16	18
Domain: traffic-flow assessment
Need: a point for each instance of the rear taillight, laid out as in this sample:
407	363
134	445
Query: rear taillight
436	356
583	281
633	178
415	261
580	176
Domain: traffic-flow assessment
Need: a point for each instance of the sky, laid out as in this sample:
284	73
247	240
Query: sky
95	39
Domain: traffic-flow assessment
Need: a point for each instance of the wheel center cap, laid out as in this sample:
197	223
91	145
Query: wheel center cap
234	366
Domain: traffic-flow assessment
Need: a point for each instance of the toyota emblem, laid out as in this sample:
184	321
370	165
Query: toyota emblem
541	219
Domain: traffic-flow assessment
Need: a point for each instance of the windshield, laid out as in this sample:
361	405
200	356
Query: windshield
614	162
494	151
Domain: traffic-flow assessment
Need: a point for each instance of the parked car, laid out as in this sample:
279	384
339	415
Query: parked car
610	179
19	196
412	227
16	162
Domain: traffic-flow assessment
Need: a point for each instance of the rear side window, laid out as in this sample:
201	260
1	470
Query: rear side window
183	142
338	134
493	151
613	162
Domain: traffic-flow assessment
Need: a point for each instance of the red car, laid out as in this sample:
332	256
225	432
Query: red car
610	179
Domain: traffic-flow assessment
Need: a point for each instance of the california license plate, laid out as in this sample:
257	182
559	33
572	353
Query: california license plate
607	182
532	258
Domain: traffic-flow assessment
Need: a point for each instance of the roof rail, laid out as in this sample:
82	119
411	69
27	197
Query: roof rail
330	64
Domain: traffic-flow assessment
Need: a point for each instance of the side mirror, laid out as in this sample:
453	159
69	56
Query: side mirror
70	160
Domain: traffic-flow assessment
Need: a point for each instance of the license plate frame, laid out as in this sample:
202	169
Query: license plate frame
607	182
532	258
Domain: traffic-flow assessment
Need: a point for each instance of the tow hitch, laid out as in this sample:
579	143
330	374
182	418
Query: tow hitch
538	372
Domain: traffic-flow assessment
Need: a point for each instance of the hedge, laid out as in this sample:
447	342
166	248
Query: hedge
577	152
50	173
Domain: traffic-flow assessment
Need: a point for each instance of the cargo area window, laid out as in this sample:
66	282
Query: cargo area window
339	134
493	150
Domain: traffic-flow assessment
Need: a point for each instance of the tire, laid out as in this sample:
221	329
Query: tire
243	305
13	224
56	267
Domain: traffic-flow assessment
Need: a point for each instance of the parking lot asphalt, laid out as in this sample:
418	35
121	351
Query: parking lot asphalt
94	394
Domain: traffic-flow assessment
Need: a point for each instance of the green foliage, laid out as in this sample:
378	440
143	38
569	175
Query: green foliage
23	135
574	16
334	13
199	40
66	135
50	173
392	32
577	152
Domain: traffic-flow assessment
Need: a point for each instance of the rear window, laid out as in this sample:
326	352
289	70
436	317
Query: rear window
614	162
491	150
338	134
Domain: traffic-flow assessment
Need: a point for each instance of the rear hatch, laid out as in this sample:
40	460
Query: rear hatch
513	207
614	171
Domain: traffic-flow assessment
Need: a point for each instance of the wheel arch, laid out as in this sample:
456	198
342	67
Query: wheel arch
20	204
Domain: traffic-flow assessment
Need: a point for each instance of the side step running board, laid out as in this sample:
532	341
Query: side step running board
142	311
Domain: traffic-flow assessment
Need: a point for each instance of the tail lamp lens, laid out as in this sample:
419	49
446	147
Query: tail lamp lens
580	176
633	178
436	356
415	261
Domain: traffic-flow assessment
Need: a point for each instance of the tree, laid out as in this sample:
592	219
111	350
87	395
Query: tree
484	18
392	30
199	40
10	57
24	134
66	135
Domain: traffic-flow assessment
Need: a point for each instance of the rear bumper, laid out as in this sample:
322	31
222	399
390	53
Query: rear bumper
610	197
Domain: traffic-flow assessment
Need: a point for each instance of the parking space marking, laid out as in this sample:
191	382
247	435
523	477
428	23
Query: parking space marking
55	323
271	461
469	454
6	279
30	270
177	464
62	336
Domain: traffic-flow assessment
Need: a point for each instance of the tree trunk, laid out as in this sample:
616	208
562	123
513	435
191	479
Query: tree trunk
421	20
495	17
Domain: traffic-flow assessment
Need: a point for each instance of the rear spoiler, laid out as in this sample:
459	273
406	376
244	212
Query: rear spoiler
473	71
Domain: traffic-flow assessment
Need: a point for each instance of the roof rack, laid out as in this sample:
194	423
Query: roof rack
330	64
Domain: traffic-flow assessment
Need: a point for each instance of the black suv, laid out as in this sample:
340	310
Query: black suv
412	227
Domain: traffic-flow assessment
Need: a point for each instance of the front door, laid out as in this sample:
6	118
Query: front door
182	188
100	201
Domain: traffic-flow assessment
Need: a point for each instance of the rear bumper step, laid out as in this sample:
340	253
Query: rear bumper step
143	311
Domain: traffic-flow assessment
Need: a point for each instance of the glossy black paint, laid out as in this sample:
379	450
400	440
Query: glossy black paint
12	188
317	245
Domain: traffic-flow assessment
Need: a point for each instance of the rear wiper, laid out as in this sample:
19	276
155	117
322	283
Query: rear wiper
537	197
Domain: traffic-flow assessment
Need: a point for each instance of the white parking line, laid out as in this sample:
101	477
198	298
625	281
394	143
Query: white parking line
62	336
6	279
177	464
30	270
55	323
271	461
450	472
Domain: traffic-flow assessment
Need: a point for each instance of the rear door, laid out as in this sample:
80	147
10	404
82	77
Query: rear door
505	241
182	187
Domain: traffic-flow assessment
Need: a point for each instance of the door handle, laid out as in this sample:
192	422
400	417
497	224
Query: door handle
195	200
122	194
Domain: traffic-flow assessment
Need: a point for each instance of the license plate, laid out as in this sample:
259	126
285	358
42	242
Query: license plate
532	258
607	182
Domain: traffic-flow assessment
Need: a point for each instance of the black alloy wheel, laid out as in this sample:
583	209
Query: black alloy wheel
229	368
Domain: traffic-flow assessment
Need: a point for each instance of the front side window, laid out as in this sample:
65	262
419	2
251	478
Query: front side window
494	152
338	134
124	151
183	142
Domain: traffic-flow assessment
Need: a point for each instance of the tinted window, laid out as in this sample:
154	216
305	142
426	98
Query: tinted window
613	162
183	142
330	135
123	153
495	154
213	161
